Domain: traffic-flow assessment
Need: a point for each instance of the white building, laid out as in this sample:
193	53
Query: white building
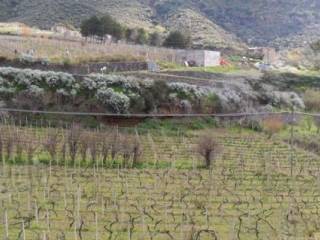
200	58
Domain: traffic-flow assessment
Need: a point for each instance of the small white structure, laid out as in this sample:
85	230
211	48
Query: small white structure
199	58
65	31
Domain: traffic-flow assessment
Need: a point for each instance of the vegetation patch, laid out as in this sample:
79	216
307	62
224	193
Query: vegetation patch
33	89
312	99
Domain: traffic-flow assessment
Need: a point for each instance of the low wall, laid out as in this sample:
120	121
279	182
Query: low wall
80	69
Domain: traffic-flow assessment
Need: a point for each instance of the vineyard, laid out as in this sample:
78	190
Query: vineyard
114	183
75	52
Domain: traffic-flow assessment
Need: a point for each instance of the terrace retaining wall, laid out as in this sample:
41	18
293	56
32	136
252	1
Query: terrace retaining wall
80	69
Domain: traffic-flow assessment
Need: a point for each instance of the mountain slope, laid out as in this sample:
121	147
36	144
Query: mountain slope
264	21
203	31
257	22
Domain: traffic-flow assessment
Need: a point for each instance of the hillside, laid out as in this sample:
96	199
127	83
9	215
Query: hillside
264	22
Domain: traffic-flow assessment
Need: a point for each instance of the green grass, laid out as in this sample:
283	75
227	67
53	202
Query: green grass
177	126
165	66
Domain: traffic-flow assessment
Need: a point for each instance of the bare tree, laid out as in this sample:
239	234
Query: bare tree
208	148
51	145
136	150
73	142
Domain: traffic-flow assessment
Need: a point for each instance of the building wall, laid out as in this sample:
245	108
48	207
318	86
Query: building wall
212	58
202	58
266	54
270	56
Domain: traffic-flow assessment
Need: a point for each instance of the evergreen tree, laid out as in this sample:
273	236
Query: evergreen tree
155	39
142	37
92	27
177	39
96	26
111	27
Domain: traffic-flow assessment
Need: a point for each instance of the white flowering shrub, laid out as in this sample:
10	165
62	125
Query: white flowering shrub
6	92
188	90
89	84
114	101
97	81
117	93
36	91
59	80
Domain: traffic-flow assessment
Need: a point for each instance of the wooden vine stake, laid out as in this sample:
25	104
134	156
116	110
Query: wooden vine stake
36	212
23	231
97	225
6	225
78	221
48	220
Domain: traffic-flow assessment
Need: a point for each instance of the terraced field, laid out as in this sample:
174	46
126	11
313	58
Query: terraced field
78	51
258	188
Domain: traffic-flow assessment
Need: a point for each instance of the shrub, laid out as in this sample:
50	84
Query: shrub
272	125
312	100
115	93
317	123
114	101
155	95
208	148
210	104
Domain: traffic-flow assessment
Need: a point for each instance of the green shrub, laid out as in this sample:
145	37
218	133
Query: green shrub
210	104
312	100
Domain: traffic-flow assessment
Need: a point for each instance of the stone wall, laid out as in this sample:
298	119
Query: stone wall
80	69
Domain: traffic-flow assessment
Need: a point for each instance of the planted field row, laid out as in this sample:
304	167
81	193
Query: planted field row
68	203
117	149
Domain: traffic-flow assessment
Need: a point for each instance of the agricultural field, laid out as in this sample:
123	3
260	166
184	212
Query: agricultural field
75	51
123	183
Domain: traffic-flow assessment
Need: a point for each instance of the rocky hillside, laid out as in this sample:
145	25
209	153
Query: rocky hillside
259	22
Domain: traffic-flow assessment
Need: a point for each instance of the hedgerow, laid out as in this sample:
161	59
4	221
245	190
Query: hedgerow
113	93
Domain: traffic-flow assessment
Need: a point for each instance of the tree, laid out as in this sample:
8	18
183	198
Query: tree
142	37
315	46
177	39
208	148
129	34
92	27
155	39
111	27
96	26
313	54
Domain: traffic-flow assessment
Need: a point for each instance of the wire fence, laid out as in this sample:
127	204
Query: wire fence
151	115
